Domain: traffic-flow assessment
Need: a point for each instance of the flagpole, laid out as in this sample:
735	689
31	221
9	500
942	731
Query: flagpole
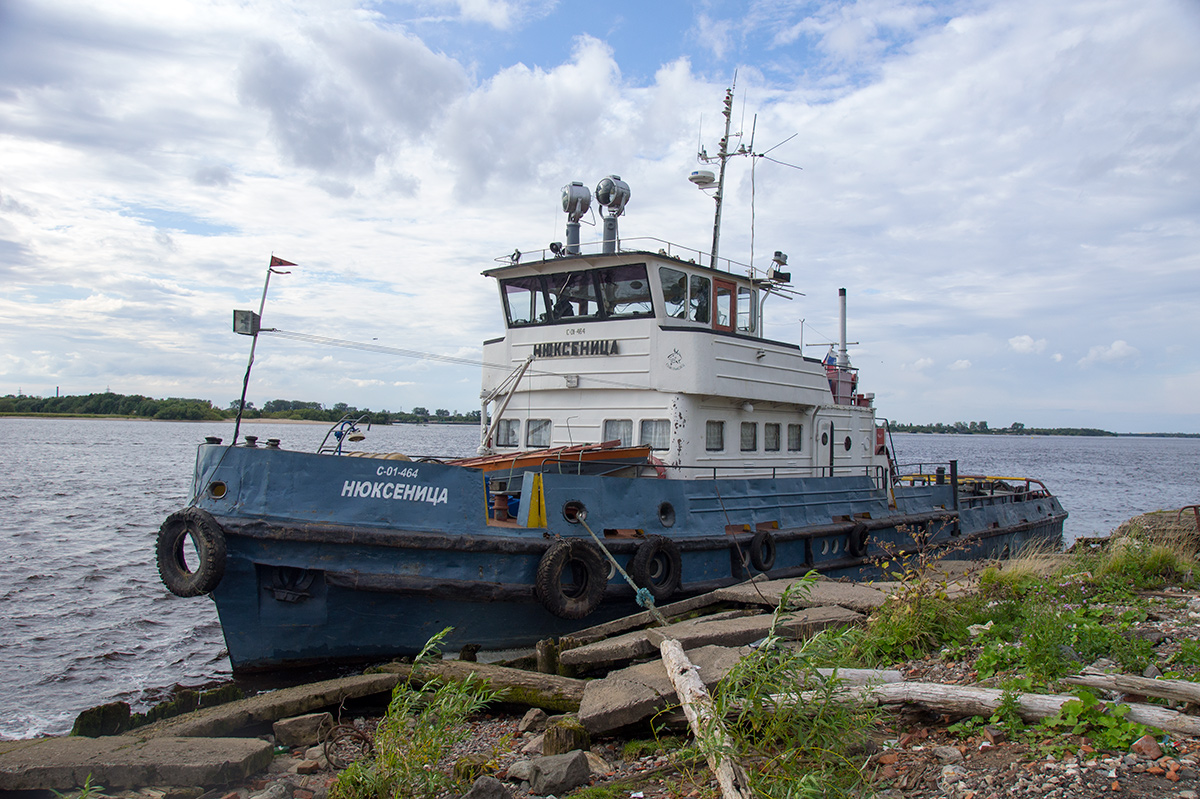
237	425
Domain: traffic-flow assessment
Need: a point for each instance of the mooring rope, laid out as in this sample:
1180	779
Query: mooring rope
644	598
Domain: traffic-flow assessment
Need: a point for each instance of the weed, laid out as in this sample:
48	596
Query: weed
793	728
657	746
88	790
416	732
1102	723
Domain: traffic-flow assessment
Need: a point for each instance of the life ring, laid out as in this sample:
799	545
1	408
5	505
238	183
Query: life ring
858	540
762	551
657	566
209	542
583	566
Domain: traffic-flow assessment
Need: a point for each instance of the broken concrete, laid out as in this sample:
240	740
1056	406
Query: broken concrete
824	592
268	708
636	693
722	630
127	762
302	730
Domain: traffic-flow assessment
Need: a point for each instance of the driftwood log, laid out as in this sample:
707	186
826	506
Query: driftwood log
706	726
547	691
1177	690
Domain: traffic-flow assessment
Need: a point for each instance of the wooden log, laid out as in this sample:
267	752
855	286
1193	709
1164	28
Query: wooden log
968	701
706	726
547	691
1177	690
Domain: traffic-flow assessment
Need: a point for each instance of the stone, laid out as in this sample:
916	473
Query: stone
191	792
534	720
947	754
317	753
488	788
824	592
534	746
302	730
277	790
564	734
557	774
888	758
110	719
1151	672
995	735
308	767
521	771
598	765
1146	747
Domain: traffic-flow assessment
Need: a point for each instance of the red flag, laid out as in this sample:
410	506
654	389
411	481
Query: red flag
280	262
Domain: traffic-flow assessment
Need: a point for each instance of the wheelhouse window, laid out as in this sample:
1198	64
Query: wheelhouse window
656	433
714	436
508	433
771	437
795	437
537	433
749	436
617	292
619	430
685	297
745	309
726	306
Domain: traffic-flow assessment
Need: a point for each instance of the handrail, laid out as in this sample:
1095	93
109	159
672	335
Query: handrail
667	248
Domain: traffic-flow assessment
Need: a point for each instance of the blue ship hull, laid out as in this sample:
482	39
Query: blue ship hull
329	558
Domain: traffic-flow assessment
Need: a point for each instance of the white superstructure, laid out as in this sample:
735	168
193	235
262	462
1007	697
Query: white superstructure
641	342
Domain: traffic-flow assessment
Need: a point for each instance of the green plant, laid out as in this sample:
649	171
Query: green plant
419	728
795	730
85	792
1104	724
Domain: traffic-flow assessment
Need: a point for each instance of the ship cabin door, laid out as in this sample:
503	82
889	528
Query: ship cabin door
824	448
725	307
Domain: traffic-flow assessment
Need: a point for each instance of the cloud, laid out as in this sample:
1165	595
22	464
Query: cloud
921	364
1026	344
1112	353
959	366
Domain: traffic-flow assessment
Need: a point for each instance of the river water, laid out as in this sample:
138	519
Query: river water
87	620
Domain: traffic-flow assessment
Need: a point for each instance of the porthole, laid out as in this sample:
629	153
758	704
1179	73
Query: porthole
825	439
837	544
824	547
216	490
847	443
574	511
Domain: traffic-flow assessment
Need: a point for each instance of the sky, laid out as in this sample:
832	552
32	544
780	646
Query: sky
1009	190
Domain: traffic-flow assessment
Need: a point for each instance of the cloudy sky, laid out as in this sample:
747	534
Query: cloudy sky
1008	189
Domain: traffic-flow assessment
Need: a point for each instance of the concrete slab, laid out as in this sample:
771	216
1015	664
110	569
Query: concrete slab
211	722
722	630
634	694
853	596
120	761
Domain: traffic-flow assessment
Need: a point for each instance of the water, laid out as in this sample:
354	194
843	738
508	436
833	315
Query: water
88	621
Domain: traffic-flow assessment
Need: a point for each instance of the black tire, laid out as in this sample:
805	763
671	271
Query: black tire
209	542
762	551
583	567
858	540
657	567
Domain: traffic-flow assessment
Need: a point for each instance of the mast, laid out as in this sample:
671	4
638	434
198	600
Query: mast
723	157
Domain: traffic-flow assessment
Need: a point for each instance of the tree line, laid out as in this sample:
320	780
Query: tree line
982	428
189	409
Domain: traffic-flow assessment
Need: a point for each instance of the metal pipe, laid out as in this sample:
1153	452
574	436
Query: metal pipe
843	355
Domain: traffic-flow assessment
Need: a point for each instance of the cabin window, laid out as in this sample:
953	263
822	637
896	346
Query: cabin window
656	433
619	429
749	436
771	437
795	437
685	297
525	301
725	305
537	433
714	436
508	433
745	310
572	296
625	291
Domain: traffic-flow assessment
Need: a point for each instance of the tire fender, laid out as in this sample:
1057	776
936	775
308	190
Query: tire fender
762	551
858	540
657	566
583	566
206	537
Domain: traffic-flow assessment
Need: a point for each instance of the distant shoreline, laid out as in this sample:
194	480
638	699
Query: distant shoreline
259	420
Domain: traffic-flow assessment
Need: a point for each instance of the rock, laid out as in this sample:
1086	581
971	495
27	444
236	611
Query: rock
533	721
488	788
599	766
534	746
558	774
1152	672
564	734
317	753
947	754
976	630
192	792
1147	747
521	771
283	765
110	719
995	735
301	730
308	767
